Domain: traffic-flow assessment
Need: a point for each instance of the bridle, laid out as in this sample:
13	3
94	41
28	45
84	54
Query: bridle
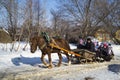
44	45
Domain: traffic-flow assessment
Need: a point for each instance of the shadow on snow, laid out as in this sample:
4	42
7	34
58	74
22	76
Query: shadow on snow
33	61
114	68
26	60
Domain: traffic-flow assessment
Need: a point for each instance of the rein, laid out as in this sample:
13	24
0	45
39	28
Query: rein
43	46
46	44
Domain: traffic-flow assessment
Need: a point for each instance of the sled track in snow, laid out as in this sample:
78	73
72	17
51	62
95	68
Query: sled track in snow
47	74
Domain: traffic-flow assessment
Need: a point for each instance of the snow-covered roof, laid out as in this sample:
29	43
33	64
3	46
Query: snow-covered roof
4	36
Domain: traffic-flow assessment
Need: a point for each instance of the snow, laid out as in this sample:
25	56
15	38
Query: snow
22	60
20	57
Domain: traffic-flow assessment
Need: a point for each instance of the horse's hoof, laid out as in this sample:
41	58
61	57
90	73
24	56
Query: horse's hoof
46	65
69	63
50	66
58	65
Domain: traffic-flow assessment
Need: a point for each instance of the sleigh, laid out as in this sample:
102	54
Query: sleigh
79	55
86	56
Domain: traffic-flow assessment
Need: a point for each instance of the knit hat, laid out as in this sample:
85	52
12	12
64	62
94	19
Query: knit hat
105	45
88	39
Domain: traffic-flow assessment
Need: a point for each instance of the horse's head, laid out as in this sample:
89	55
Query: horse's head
33	44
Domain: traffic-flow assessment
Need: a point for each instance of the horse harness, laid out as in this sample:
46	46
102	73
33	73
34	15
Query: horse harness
48	41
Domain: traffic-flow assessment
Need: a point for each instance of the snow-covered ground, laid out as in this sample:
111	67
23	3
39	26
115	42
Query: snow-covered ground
25	62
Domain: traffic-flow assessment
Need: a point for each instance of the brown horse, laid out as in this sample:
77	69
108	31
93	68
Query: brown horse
40	42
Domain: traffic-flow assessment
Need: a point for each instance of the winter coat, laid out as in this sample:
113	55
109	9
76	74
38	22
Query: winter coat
80	46
81	42
90	46
105	51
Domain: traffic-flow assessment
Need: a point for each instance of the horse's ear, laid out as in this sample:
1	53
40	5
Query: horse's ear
32	38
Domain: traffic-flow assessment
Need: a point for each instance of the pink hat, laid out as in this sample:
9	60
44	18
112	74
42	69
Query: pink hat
105	44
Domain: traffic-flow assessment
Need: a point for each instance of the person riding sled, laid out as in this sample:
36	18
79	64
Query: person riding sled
80	44
105	50
90	45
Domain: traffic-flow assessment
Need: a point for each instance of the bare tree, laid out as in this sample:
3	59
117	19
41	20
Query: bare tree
11	7
109	15
39	15
88	15
55	20
79	13
60	26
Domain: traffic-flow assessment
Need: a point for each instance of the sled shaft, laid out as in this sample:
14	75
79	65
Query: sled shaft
70	52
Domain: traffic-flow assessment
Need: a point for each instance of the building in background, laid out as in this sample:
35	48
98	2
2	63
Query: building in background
4	36
118	35
102	35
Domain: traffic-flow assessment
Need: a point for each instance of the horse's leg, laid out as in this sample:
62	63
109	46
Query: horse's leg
42	59
68	57
60	59
50	60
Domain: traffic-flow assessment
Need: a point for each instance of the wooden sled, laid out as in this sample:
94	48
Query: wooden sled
79	55
86	56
